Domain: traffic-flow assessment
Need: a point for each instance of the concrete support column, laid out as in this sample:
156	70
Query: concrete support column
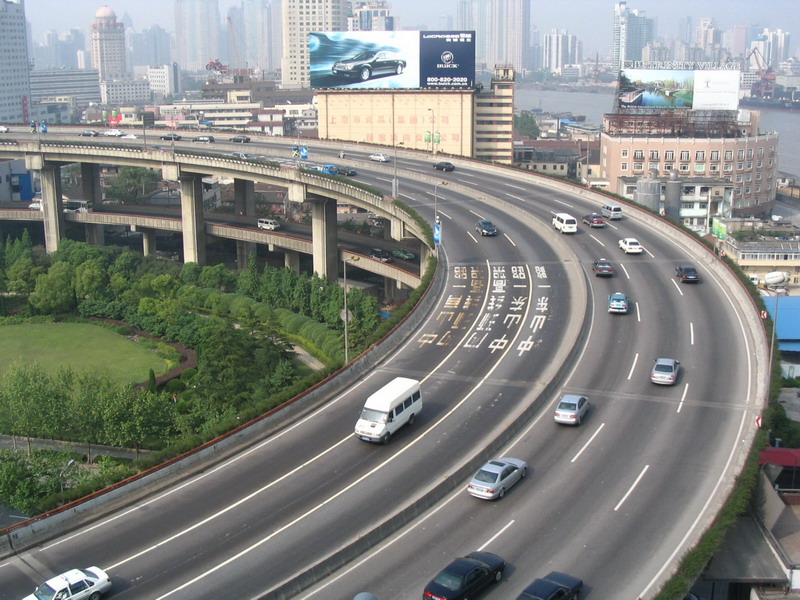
90	184
291	260
194	233
95	234
52	205
148	241
324	239
243	252
244	197
395	230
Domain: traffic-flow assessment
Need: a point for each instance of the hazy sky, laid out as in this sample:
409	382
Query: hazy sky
589	20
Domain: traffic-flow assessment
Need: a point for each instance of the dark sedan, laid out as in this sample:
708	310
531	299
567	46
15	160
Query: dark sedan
240	139
368	64
171	137
603	268
465	577
381	255
687	274
444	166
555	586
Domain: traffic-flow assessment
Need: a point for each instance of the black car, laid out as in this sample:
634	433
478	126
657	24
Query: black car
240	139
174	137
369	63
485	228
350	172
444	166
89	133
465	577
687	274
555	586
603	268
381	255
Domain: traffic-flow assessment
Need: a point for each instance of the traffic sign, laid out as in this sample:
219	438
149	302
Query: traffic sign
437	234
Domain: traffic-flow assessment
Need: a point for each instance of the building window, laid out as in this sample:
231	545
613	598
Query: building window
737	191
669	155
761	152
653	166
749	154
624	166
758	189
637	166
624	154
715	155
684	155
713	168
668	167
739	166
749	165
747	189
653	154
700	155
728	167
699	168
684	168
638	155
740	155
739	178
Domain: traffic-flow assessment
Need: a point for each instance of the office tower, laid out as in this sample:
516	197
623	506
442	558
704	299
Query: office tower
371	16
108	45
502	31
559	49
739	40
150	47
16	89
685	32
197	33
707	35
300	18
632	32
254	34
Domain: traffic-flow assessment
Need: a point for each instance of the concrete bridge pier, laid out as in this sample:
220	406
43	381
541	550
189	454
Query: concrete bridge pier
244	197
95	234
194	233
148	241
90	184
244	250
291	260
324	237
52	205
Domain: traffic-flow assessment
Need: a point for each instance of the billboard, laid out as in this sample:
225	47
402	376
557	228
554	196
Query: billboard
679	88
392	59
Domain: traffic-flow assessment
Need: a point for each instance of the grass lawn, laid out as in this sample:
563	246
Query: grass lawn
81	346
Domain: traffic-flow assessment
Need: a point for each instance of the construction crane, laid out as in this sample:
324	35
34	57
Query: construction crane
765	86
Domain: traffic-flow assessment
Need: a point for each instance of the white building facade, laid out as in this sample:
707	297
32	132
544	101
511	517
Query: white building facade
15	93
108	45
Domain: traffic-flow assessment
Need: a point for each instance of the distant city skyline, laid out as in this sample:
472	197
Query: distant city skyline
589	20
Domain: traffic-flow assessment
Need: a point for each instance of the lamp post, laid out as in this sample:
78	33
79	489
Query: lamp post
345	313
433	131
436	201
395	183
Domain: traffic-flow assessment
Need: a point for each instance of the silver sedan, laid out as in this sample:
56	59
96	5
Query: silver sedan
571	409
665	371
496	477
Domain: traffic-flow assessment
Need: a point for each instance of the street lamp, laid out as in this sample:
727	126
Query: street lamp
345	313
395	183
436	201
433	131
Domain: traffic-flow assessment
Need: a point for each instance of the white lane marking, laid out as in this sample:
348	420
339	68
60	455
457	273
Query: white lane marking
638	315
677	287
515	197
465	174
516	187
445	215
495	536
567	204
510	240
691	334
624	270
683	397
480	216
633	366
586	445
474	239
648	251
633	487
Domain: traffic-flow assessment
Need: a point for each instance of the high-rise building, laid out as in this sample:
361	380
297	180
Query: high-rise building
254	35
371	16
502	31
560	48
197	33
150	47
707	35
16	89
632	32
108	45
299	19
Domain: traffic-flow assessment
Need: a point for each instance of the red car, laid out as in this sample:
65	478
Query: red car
594	220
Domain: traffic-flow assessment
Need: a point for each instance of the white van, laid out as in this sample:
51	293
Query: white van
612	212
388	409
565	223
268	224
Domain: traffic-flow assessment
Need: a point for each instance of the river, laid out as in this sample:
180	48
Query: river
595	105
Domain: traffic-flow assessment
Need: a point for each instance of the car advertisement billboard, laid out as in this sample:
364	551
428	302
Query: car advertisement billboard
679	88
392	59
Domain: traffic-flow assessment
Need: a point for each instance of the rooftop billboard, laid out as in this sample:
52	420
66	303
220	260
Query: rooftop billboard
679	88
392	59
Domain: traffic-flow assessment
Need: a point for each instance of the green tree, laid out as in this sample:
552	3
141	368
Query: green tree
525	125
55	291
22	275
218	277
91	280
133	183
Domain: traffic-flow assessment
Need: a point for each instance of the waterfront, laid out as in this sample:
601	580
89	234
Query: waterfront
595	105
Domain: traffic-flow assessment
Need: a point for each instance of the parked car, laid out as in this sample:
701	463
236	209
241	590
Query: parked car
444	166
113	133
381	255
687	273
553	586
4	129
369	63
75	584
465	577
403	254
379	157
594	220
571	409
240	139
618	303
603	268
496	477
171	137
485	227
89	133
630	246
665	371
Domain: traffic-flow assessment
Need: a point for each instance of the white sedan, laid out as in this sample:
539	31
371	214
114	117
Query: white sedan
4	129
379	157
75	584
630	246
113	133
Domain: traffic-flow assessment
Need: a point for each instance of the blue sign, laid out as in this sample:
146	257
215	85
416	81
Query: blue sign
304	152
43	127
437	234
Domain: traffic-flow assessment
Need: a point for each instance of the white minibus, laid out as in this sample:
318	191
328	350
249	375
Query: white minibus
388	409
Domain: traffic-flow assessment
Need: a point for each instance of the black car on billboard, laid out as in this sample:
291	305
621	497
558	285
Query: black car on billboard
368	64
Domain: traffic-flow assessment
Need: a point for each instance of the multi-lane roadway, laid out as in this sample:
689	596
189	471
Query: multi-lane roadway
614	501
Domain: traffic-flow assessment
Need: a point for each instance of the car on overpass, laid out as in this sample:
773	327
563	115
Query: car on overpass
553	586
464	577
171	137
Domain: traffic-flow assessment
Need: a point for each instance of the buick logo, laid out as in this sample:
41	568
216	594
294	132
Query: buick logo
447	57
